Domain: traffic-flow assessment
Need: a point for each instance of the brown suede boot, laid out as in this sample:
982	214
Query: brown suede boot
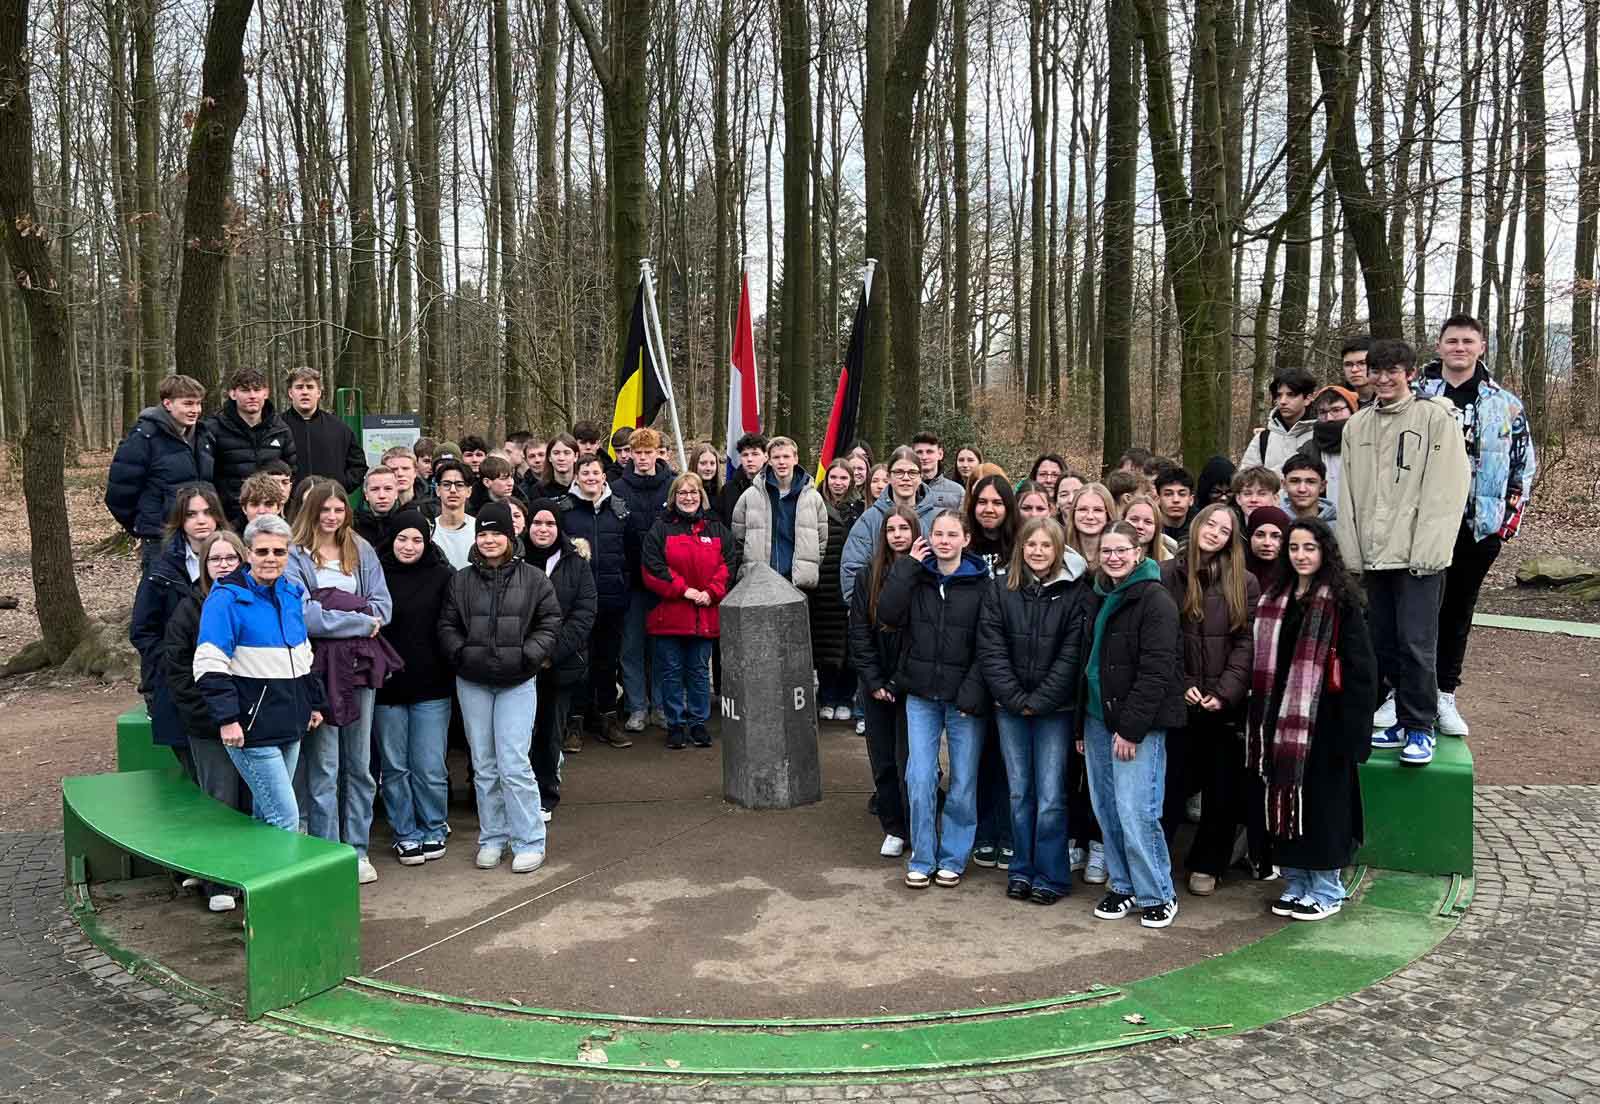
572	742
611	732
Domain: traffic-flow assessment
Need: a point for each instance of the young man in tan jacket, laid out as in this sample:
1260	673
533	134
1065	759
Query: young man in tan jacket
1403	489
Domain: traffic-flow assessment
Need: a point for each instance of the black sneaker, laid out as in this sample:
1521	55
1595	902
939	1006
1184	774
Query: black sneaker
1114	906
699	737
432	849
1018	889
1043	896
1160	916
1003	859
986	856
1310	910
1284	906
676	739
409	854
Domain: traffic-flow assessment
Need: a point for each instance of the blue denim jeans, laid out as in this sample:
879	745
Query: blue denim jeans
269	772
951	846
499	724
1321	886
416	786
638	657
1127	801
338	775
683	664
1036	750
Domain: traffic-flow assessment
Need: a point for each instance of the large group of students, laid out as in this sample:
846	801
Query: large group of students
1051	673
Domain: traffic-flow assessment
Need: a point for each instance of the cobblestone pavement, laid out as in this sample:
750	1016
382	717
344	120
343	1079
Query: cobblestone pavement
1506	1009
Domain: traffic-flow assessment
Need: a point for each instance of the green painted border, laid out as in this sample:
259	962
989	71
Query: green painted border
1536	624
1394	919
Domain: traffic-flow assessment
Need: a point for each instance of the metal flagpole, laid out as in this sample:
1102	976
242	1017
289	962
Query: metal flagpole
866	278
663	373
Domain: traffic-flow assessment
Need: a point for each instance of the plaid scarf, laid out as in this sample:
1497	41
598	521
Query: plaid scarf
1281	761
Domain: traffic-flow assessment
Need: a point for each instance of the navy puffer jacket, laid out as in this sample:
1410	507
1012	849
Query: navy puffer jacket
604	525
161	592
153	461
241	450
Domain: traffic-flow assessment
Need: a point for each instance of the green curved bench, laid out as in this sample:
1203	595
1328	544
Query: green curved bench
302	909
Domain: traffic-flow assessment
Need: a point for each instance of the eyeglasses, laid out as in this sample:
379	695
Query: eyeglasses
1115	553
905	473
452	485
222	561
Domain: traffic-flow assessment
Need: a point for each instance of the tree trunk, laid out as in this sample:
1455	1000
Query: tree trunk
875	376
518	366
1363	212
1296	300
799	318
27	246
1461	296
359	345
153	361
1534	358
961	330
1037	245
431	383
1117	229
908	73
206	208
1583	398
620	69
723	292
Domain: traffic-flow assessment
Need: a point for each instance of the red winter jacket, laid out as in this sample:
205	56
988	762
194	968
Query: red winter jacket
681	552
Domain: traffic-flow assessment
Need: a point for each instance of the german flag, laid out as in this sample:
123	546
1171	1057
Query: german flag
847	396
640	395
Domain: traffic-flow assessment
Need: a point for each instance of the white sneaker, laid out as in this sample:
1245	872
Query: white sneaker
861	727
1095	871
1449	721
1077	857
527	862
366	873
488	858
1385	716
658	719
1191	809
546	814
188	883
221	902
825	713
635	721
893	847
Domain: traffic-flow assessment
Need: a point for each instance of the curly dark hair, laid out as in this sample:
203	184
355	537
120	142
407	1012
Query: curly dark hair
1341	584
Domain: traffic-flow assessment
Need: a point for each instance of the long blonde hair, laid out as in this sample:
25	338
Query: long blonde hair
1019	569
308	536
1157	548
1224	567
1113	515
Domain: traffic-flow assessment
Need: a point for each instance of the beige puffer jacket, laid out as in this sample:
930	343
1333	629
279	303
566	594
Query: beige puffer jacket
752	529
1404	487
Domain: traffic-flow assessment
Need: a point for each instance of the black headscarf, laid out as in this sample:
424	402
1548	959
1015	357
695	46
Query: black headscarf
1218	472
541	557
408	518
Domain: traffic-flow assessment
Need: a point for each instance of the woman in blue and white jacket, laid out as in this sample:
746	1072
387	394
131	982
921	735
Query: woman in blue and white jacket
253	666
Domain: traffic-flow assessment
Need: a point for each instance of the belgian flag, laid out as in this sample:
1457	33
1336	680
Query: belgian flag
640	395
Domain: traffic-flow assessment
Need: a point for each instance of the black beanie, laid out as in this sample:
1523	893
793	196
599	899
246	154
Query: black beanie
496	517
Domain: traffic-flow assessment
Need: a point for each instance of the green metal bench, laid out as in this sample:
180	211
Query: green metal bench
302	909
136	746
1419	819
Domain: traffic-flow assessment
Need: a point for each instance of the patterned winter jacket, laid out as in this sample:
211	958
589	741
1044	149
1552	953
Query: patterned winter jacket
1499	447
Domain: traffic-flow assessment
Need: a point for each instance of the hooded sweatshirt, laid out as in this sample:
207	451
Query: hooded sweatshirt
1272	446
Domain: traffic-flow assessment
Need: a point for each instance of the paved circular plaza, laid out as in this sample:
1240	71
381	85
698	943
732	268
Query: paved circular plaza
1507	1008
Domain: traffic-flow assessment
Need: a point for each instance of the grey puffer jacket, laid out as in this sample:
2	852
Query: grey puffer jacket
752	527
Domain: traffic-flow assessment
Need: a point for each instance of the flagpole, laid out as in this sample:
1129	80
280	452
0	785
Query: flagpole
647	271
866	277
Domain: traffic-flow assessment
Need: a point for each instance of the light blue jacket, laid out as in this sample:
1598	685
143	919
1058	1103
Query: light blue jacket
1499	447
342	624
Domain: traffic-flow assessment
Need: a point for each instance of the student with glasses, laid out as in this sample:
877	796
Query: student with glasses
204	758
1133	693
252	665
455	530
906	488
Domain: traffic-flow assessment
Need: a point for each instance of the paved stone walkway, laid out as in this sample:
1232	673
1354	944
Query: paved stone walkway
1506	1009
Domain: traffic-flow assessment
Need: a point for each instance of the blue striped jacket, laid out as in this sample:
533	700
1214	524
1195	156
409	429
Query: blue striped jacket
252	662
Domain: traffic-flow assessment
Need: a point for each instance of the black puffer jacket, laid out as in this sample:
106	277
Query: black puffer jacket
874	649
1032	642
604	525
829	615
417	591
728	497
646	499
499	624
1141	675
1217	658
938	622
153	461
240	450
575	593
177	670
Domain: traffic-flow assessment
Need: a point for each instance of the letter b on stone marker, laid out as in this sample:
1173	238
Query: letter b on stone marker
799	698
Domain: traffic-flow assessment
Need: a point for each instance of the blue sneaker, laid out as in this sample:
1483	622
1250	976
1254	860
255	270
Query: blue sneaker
1389	738
1418	751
